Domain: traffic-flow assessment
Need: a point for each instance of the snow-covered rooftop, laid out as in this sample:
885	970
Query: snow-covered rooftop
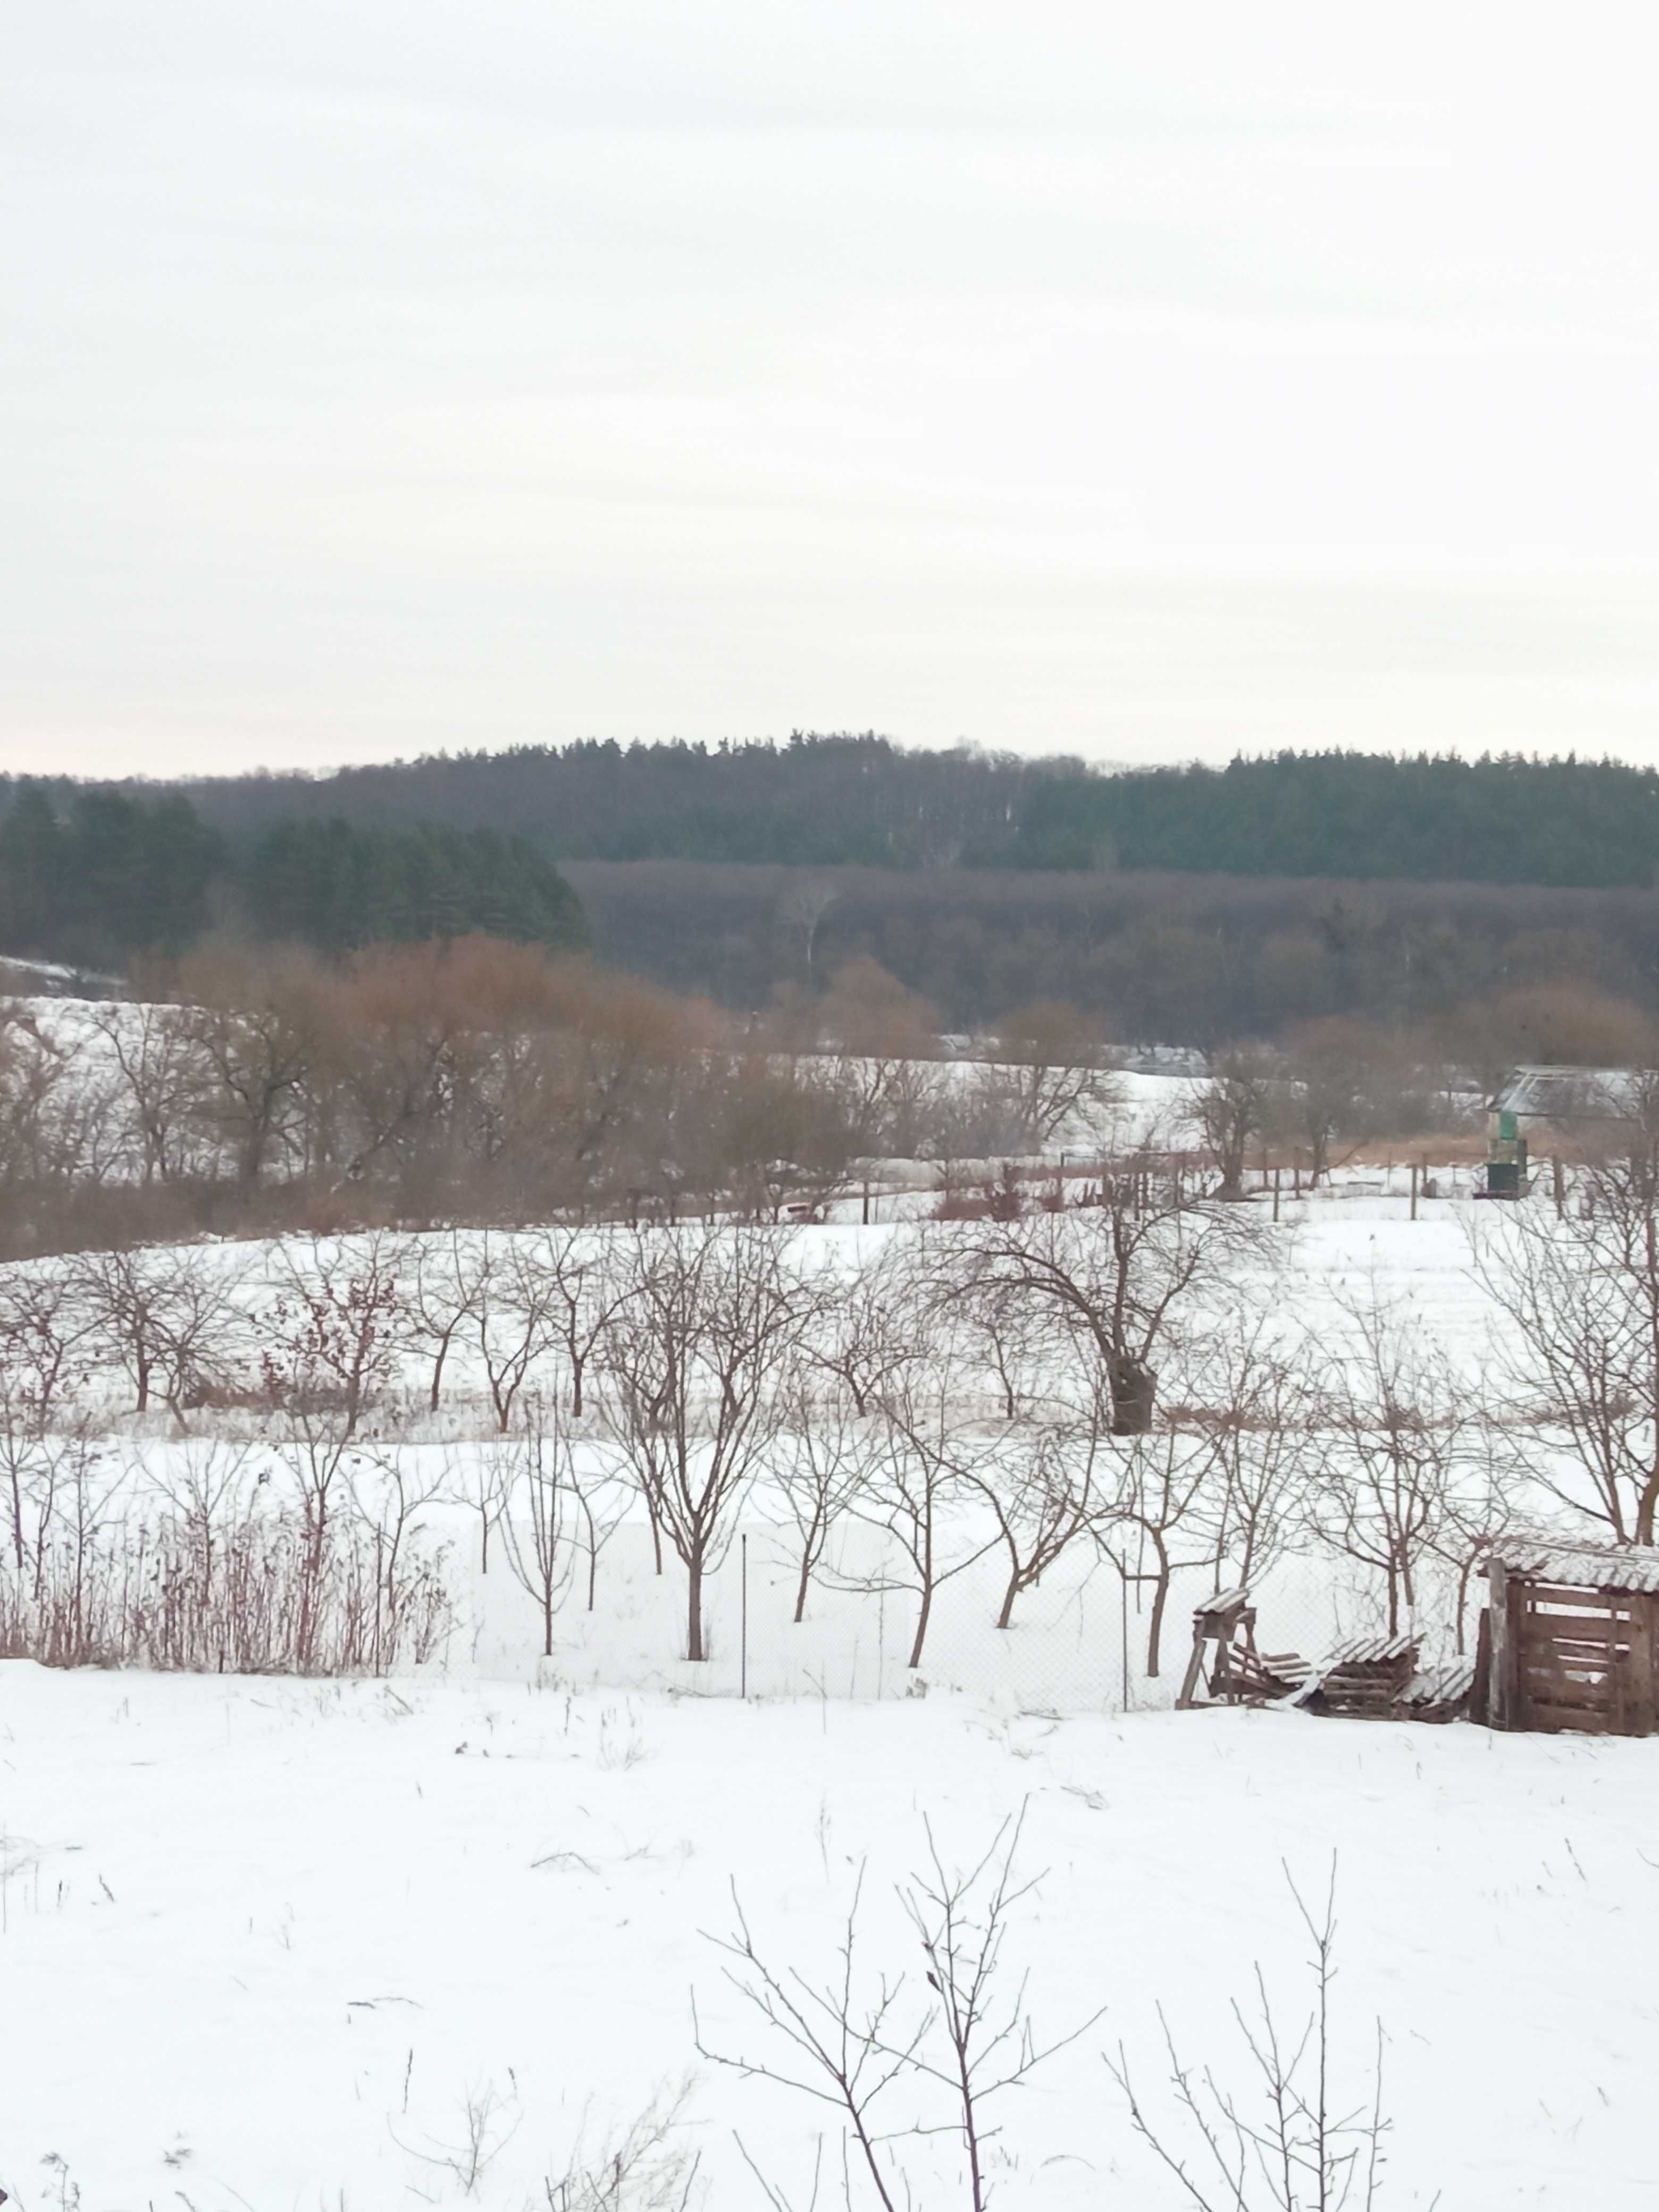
1556	1093
1586	1566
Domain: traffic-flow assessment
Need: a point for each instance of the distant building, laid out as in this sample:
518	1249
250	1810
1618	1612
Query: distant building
1552	1097
1574	1103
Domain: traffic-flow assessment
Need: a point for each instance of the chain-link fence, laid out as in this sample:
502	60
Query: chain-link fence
1092	1635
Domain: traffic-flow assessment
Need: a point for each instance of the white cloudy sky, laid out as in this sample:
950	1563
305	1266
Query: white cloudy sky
1143	381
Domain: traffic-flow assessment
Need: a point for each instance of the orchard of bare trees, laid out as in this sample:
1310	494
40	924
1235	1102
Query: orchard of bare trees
310	1453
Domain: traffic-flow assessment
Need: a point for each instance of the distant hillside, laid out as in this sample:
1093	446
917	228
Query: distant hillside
1185	959
862	801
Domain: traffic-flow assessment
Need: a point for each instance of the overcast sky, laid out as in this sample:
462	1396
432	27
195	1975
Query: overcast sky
1145	382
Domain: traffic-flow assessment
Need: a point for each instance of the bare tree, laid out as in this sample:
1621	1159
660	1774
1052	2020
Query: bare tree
161	1074
539	1485
842	2050
1167	1479
1118	1277
929	1452
603	1496
333	1330
1580	1357
588	1286
254	1026
1482	1508
801	913
1042	1483
641	2168
1290	2143
1050	1063
1012	1335
1254	1403
866	1328
817	1466
948	2057
445	1282
318	1455
167	1315
1397	1427
476	1477
1231	1108
516	1315
710	1319
884	1036
22	1463
41	1146
1327	1066
787	1133
391	1491
206	1483
44	1332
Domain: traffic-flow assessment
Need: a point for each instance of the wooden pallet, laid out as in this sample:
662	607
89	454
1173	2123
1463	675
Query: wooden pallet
1557	1653
1441	1692
1239	1674
1368	1679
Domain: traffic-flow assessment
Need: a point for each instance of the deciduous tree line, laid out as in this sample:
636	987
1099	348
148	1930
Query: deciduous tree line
483	1081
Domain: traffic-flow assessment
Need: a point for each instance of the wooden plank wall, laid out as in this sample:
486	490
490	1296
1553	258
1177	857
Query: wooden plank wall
1579	1659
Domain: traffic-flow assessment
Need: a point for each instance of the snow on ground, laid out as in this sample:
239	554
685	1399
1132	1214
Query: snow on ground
261	1941
1071	1635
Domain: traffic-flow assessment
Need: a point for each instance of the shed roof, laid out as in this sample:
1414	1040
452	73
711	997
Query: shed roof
1581	1566
1555	1093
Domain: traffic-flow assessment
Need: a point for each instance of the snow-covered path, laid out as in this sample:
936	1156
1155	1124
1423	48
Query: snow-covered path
260	1941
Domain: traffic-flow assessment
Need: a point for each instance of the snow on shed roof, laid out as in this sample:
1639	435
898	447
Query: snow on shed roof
1584	1567
1555	1093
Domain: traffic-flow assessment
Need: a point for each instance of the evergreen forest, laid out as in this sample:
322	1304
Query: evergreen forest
95	876
863	801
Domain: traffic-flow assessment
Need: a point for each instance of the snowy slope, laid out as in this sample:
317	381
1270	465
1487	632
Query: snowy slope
260	1941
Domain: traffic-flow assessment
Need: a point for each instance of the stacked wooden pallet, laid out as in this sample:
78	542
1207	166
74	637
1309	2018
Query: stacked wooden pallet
1257	1678
1440	1691
1368	1679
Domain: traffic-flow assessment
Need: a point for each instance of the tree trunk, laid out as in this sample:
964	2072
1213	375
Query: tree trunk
438	1374
1155	1631
656	1524
1647	1508
1005	1617
1134	1386
693	1611
807	1563
922	1627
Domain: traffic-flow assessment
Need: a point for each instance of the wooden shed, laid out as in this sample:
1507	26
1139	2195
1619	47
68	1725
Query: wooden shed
1570	1639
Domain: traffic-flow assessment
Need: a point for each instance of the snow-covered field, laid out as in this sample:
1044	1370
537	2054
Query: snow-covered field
261	1941
330	1946
1079	1638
